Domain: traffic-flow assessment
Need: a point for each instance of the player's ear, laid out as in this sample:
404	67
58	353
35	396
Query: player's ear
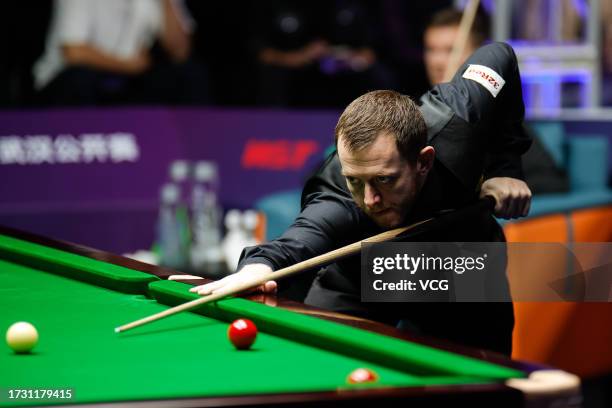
425	160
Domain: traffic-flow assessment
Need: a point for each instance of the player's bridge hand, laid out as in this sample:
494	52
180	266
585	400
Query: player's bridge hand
512	196
249	273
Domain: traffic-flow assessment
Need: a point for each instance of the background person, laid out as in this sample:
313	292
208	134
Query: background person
101	52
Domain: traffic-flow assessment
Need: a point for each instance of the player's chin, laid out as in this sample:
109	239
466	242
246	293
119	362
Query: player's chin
388	219
436	77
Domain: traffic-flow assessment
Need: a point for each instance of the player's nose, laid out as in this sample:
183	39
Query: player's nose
371	197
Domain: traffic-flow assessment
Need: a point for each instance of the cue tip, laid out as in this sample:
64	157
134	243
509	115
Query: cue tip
117	329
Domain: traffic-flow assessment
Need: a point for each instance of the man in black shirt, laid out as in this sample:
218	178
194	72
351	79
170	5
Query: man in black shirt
397	163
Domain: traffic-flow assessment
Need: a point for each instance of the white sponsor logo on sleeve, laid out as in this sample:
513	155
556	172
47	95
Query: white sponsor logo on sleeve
485	76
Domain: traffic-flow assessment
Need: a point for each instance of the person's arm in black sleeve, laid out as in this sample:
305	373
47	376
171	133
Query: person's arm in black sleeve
326	223
486	94
507	163
486	91
512	140
474	100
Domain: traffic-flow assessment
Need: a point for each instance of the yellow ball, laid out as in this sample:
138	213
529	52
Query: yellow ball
21	337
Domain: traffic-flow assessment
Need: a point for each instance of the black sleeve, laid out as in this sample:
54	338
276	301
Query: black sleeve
329	221
499	116
328	179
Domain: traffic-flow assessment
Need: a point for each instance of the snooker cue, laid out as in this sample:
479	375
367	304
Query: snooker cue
465	26
281	273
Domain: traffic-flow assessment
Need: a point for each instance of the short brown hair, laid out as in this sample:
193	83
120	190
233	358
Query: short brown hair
451	17
383	111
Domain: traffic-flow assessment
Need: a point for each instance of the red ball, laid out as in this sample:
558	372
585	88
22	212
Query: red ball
362	375
242	333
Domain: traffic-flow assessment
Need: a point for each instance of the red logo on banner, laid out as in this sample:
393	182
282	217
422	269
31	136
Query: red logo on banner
277	154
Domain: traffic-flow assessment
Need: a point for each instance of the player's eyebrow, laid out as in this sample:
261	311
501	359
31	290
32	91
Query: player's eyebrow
380	174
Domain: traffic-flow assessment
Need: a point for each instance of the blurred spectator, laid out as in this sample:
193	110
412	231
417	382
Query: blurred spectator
440	36
117	51
316	53
402	28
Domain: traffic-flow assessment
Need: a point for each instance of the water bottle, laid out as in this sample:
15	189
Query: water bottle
171	251
206	255
179	175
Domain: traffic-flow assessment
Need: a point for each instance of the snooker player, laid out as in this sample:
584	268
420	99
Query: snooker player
396	163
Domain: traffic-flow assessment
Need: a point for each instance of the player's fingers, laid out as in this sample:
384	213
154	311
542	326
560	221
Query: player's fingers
486	191
195	289
213	286
525	206
270	287
511	200
266	288
514	205
205	289
229	288
503	207
233	289
498	202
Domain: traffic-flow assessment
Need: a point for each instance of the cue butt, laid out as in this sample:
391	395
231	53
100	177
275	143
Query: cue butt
465	26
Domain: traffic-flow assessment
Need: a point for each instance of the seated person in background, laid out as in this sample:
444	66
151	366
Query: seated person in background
541	173
317	53
101	52
441	35
398	163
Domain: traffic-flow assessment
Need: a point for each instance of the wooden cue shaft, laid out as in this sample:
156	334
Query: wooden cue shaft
281	273
465	26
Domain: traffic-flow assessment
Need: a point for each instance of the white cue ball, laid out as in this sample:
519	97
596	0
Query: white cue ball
21	337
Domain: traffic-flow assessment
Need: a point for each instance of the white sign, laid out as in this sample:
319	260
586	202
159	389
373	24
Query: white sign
86	148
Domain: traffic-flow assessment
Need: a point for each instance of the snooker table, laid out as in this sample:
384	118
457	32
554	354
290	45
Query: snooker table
76	296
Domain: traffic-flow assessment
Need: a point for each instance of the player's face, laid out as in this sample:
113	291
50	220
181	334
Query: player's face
438	46
383	184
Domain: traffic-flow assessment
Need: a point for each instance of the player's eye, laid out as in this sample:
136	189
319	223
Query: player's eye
384	179
353	181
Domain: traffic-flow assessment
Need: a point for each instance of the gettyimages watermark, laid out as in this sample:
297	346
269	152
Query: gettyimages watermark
486	272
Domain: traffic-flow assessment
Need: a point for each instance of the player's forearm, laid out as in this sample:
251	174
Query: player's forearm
490	95
175	39
324	224
503	165
276	254
504	152
305	238
86	55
